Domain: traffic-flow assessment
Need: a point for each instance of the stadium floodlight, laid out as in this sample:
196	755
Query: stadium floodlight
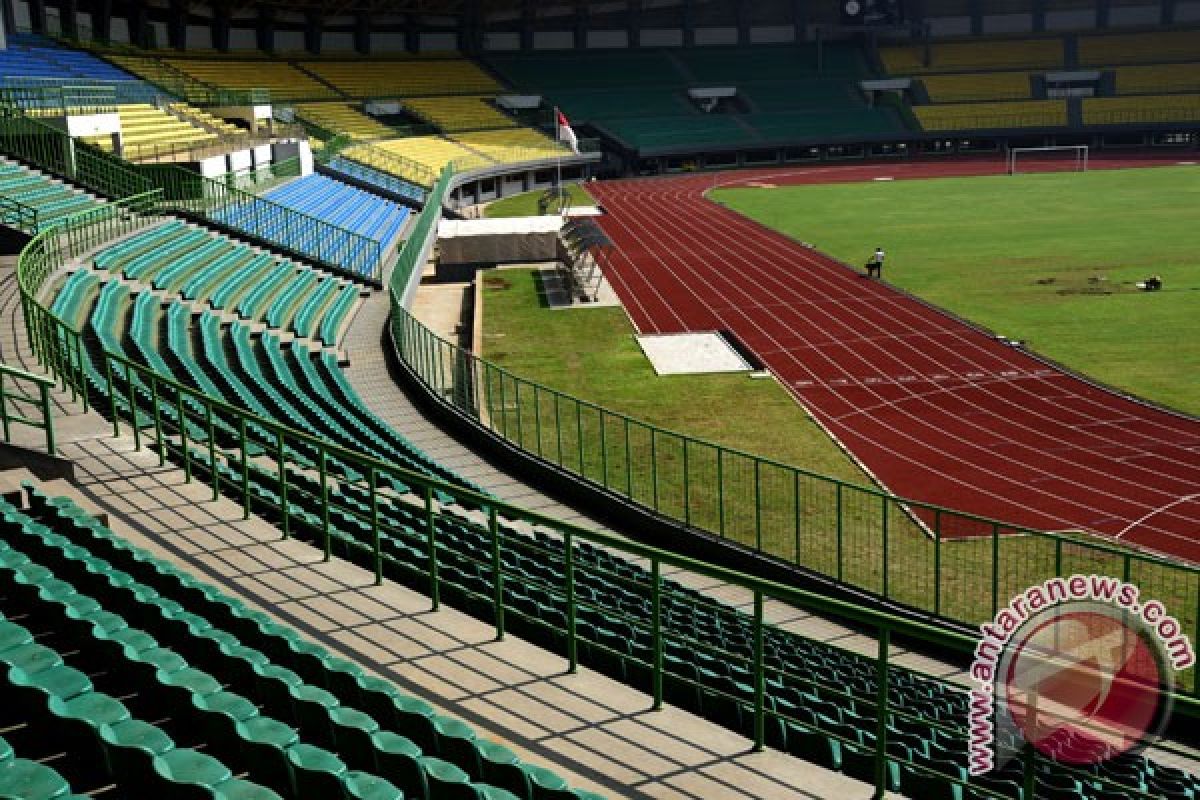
1073	156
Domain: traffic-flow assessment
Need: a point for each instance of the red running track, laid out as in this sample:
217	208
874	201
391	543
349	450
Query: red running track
936	409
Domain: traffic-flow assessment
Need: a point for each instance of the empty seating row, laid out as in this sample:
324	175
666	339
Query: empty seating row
460	113
208	268
299	721
1158	79
1139	48
1141	109
1014	114
345	119
975	86
511	145
376	178
411	78
431	152
976	55
52	199
283	80
145	128
36	57
343	205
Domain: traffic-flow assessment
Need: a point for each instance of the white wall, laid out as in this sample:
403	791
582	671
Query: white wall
608	39
199	36
772	34
1072	20
337	42
1134	15
662	37
553	40
387	42
435	41
1187	11
724	35
949	26
21	14
502	40
1007	23
243	39
240	160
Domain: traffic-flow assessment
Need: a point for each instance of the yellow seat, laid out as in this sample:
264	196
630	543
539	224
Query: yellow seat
975	86
968	116
513	145
460	113
431	153
414	77
1141	109
345	119
1158	78
281	79
986	54
1138	48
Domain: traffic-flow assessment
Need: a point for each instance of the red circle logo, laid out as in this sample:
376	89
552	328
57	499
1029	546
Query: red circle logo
1085	683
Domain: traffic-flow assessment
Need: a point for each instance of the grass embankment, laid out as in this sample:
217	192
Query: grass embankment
526	204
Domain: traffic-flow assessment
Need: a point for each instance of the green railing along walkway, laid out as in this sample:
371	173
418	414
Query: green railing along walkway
22	394
954	565
304	484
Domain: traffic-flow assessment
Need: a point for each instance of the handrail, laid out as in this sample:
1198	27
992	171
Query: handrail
167	412
16	214
11	399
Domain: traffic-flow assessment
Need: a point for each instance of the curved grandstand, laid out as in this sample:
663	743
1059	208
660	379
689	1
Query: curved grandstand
312	544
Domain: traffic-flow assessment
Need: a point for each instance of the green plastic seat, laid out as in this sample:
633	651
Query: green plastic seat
274	689
316	773
220	712
446	781
187	774
264	742
352	731
546	784
29	780
368	786
495	793
415	718
34	690
6	751
502	768
31	657
399	760
313	706
456	744
12	634
129	749
178	687
238	789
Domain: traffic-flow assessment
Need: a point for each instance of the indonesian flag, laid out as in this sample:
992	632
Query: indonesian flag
565	134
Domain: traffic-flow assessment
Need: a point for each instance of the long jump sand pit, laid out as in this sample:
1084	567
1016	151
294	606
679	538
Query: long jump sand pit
691	353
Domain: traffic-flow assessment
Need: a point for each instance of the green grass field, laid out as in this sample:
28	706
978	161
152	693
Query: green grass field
1050	259
526	204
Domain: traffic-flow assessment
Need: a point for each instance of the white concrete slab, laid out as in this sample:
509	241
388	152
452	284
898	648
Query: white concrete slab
691	354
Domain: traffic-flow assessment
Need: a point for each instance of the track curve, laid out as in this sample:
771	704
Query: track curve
936	409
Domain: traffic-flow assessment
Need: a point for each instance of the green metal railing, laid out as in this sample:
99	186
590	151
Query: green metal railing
16	214
268	468
16	403
60	99
387	161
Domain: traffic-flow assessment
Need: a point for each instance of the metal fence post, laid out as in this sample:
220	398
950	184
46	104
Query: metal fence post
569	576
132	397
48	418
183	436
687	498
883	501
497	572
431	527
937	562
760	713
720	494
376	548
757	506
157	414
656	622
837	510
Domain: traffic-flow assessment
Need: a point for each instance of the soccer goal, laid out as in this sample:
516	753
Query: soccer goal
1054	158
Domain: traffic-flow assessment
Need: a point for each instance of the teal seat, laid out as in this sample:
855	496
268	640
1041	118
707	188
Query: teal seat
220	712
238	789
367	786
313	706
28	780
187	774
264	743
177	688
6	752
456	744
352	730
74	724
446	781
546	785
130	747
31	692
502	768
399	760
316	773
495	793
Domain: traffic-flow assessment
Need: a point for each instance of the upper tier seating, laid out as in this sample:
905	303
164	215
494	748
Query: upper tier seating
209	670
433	152
984	54
511	145
227	276
377	178
51	198
345	206
1158	78
284	81
145	129
459	113
1017	114
36	57
411	78
344	118
202	117
1141	109
976	86
1139	48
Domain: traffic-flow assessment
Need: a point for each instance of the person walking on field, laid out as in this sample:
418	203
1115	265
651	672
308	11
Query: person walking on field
875	264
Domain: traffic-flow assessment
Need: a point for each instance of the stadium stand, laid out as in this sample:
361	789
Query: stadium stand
1015	114
1139	48
345	119
431	152
1141	109
463	113
210	672
30	55
354	209
511	145
977	86
410	78
374	177
1158	78
144	127
49	197
281	79
979	55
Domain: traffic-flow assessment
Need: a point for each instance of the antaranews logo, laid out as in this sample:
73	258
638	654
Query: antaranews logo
1081	668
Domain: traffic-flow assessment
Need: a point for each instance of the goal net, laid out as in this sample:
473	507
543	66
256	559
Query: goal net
1057	158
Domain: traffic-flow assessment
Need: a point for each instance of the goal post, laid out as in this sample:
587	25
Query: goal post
1072	157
